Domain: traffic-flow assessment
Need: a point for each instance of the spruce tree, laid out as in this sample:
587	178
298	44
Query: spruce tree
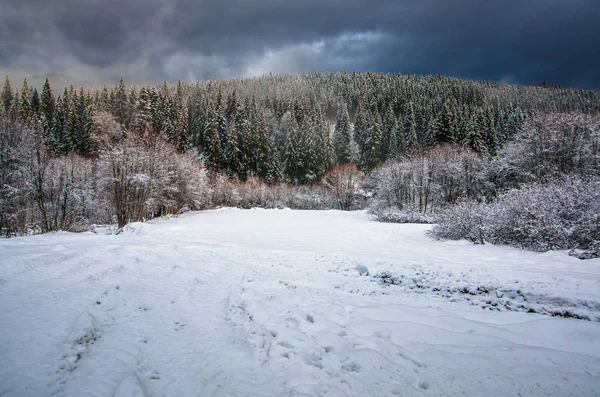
361	127
35	103
7	97
212	149
58	140
25	103
389	142
72	126
490	131
292	159
274	172
143	114
307	155
371	154
262	150
342	136
326	156
411	131
47	112
445	126
476	136
104	100
120	104
85	134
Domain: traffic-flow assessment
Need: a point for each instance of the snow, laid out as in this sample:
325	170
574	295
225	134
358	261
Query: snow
292	303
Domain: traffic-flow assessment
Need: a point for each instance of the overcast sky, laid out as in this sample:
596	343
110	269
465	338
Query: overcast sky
96	41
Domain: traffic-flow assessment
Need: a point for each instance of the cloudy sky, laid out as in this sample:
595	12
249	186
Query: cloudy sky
96	41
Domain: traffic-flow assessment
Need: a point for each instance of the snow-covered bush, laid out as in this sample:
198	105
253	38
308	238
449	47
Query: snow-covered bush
564	214
550	145
344	182
414	189
144	177
408	214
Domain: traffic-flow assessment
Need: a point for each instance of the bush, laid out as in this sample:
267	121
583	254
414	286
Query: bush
550	145
414	189
560	215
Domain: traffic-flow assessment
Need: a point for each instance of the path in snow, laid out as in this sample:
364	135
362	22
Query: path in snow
291	303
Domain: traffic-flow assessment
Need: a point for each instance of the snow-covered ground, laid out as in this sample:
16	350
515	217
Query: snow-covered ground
292	303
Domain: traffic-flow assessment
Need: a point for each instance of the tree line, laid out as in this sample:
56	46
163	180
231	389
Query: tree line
125	152
295	128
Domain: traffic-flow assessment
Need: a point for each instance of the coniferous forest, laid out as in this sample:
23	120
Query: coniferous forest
413	148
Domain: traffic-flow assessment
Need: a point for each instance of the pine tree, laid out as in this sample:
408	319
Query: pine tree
58	140
326	156
7	97
231	153
120	104
490	131
233	107
292	159
476	136
25	103
47	112
361	127
212	139
104	101
198	121
372	144
389	142
84	141
143	114
411	131
262	149
274	172
342	136
222	127
445	126
71	129
307	156
182	130
35	103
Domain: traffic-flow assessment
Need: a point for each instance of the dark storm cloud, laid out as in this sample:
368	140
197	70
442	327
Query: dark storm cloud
149	40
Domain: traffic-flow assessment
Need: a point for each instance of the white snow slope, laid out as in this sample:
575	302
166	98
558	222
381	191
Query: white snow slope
292	303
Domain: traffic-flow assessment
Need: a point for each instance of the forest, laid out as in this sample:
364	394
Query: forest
458	153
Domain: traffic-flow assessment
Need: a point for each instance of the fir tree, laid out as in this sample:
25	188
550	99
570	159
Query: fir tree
361	127
143	114
274	172
35	103
231	153
120	104
182	130
25	103
47	112
476	136
342	136
212	142
389	142
445	126
372	144
411	131
326	156
104	100
307	156
292	158
58	140
490	131
7	97
72	126
262	149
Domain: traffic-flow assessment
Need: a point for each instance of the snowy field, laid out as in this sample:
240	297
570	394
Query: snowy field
292	303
